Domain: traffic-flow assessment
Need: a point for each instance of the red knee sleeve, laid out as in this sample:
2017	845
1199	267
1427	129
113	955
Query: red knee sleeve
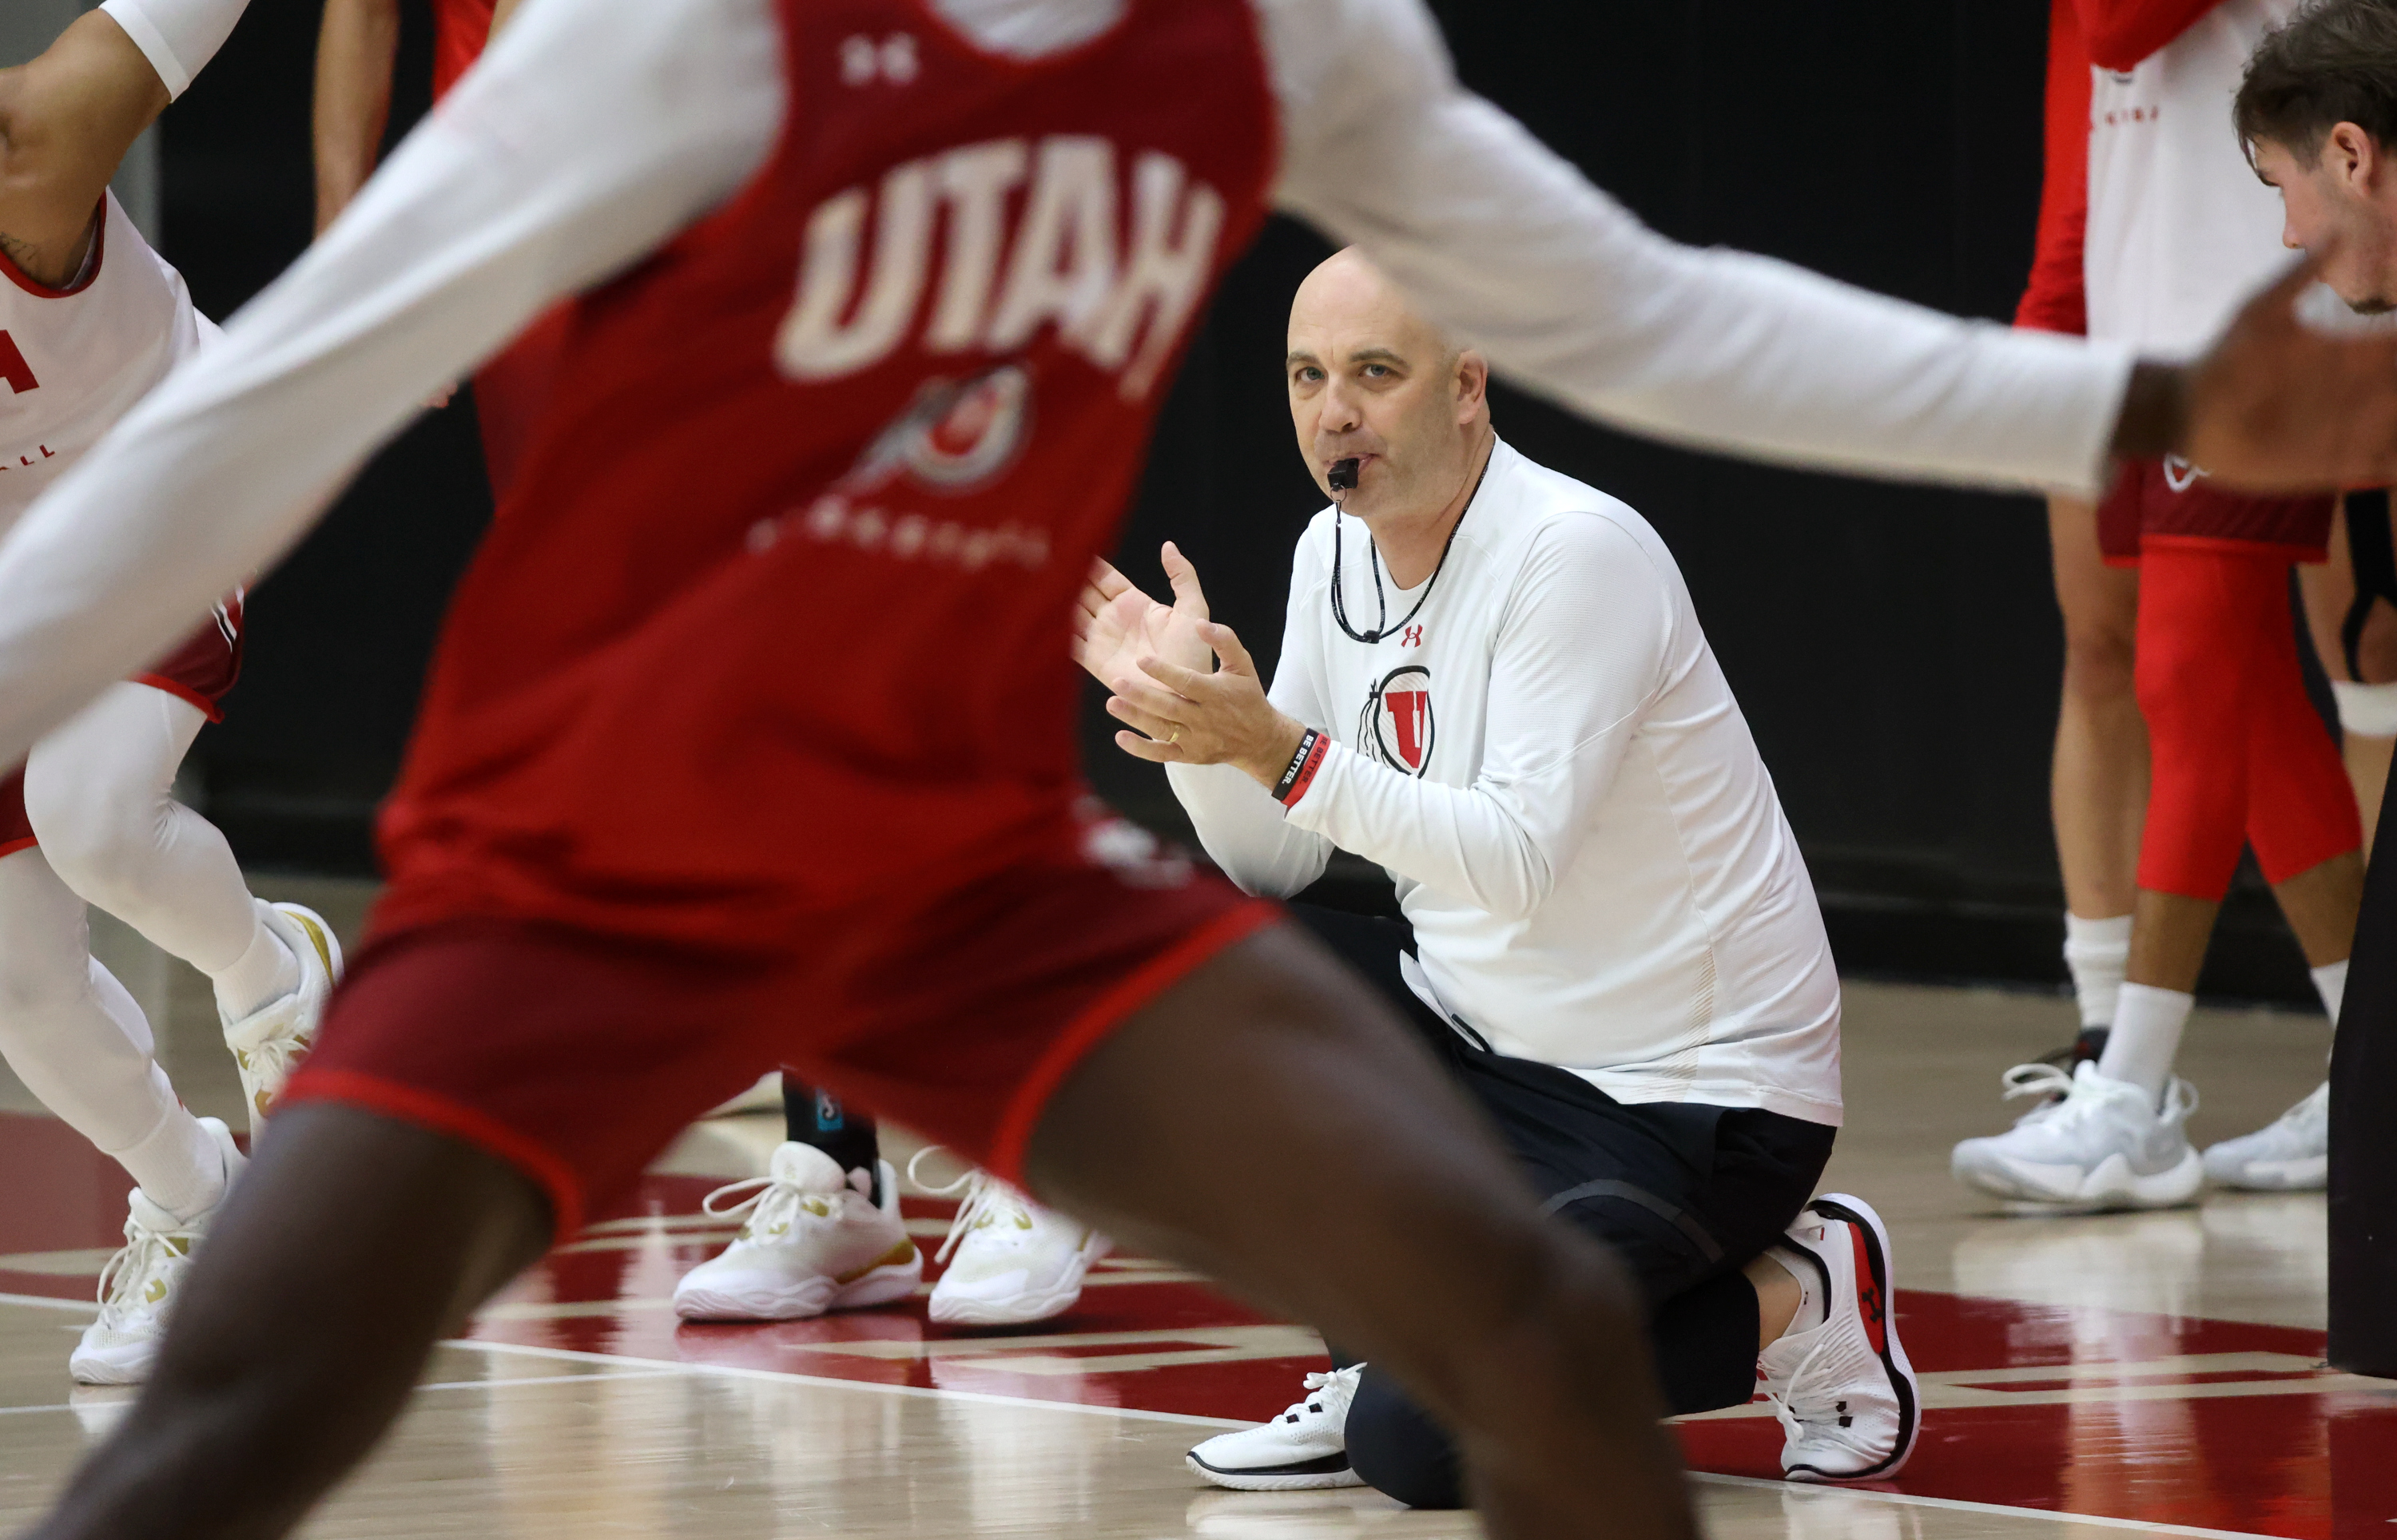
2238	751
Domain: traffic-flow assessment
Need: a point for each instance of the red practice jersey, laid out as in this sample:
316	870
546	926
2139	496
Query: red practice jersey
459	30
776	618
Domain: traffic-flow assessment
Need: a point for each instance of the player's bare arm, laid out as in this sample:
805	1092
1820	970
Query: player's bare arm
357	44
66	120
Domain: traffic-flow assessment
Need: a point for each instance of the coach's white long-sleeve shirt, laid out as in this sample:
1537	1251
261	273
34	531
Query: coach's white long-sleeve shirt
594	130
1550	764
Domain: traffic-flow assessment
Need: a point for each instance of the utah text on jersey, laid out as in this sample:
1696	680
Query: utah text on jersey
1008	266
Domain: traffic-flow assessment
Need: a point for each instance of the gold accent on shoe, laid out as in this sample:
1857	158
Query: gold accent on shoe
897	1256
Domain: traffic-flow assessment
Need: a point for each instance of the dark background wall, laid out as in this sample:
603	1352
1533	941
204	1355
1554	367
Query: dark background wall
1896	648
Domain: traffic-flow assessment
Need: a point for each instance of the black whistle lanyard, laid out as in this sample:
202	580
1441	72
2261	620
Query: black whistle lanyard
1374	555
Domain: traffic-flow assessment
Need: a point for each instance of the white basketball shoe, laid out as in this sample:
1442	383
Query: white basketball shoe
1849	1403
2105	1146
269	1042
1306	1446
137	1286
813	1241
2292	1154
1010	1261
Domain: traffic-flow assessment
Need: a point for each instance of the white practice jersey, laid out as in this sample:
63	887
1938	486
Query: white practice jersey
1550	763
76	359
2180	230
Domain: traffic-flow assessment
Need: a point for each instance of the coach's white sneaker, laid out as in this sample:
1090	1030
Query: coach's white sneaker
137	1286
814	1240
2105	1146
2291	1155
1849	1403
270	1041
1306	1446
1015	1262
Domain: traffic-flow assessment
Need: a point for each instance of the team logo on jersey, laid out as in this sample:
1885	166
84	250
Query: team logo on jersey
1397	725
954	437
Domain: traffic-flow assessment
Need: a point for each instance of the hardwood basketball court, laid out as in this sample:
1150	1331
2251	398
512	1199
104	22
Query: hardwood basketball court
2155	1374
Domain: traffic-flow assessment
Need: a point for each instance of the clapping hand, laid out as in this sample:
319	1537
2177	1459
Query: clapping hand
1158	660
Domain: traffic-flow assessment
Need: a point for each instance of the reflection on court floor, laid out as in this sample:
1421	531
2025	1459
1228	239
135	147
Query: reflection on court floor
2133	1410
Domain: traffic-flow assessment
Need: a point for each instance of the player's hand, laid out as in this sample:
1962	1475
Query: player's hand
1116	625
1188	716
2274	405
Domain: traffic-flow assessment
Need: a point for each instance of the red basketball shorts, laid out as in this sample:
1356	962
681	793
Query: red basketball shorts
202	670
2153	503
576	1057
2240	755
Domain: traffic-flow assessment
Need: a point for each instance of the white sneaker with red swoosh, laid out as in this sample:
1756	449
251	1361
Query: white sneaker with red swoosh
1849	1402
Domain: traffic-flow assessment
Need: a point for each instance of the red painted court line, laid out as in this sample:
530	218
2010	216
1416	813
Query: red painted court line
2071	1411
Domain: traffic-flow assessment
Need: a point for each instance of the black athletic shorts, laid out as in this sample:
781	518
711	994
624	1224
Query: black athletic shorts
1686	1194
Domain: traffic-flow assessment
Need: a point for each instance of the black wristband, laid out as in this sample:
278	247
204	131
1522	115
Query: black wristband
1295	779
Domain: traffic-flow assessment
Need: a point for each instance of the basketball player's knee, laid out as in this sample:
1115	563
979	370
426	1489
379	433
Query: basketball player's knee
2098	658
99	836
1395	1447
2376	648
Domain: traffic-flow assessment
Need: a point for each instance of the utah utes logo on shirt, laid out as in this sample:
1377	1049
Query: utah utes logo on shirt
1397	728
955	437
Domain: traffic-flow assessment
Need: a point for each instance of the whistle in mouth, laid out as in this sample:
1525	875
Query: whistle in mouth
1343	475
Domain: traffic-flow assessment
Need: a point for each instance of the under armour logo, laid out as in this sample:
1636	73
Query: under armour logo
863	61
1410	637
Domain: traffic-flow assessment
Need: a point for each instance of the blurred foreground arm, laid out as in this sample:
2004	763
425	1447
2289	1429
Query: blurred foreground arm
1513	250
592	131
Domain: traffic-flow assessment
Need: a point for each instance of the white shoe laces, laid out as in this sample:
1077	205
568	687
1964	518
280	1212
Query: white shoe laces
770	1202
125	1281
2082	1100
987	1201
1343	1380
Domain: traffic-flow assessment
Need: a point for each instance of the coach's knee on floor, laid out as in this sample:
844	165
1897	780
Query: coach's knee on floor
1397	1449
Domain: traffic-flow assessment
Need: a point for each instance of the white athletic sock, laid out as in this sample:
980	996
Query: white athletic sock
1812	1310
2097	951
179	1168
2148	1024
262	975
2330	982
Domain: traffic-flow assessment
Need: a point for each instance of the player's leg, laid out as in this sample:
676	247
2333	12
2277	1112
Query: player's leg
2098	782
81	1045
820	1231
1412	1238
475	1082
100	792
352	1244
2308	839
2117	1137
